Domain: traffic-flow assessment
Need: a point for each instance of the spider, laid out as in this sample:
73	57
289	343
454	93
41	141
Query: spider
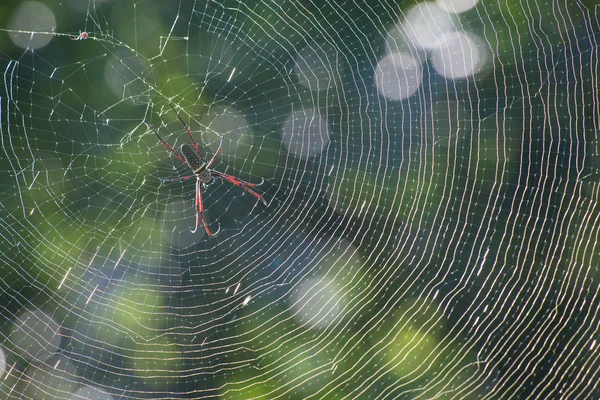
82	36
204	175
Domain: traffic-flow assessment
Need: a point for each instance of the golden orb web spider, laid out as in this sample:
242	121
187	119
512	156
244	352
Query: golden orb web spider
204	175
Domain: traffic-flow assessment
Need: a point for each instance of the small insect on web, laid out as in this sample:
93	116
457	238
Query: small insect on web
204	175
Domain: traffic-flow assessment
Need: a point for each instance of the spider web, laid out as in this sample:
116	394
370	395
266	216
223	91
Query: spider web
431	177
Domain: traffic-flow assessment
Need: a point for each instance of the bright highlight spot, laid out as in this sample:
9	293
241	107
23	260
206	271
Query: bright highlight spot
90	393
45	381
459	57
2	362
246	300
233	126
231	75
305	133
457	6
398	76
317	303
396	42
31	17
426	23
35	336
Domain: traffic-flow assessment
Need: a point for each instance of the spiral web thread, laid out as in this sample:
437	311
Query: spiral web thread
431	177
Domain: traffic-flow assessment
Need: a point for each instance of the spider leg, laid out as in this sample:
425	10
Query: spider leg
187	129
200	209
238	182
178	179
214	157
168	146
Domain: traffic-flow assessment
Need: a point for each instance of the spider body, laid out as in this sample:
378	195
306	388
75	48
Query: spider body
193	159
197	165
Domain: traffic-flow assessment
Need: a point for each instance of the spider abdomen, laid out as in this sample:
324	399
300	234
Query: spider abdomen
193	160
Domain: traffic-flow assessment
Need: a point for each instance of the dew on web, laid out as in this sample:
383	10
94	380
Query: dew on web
293	200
